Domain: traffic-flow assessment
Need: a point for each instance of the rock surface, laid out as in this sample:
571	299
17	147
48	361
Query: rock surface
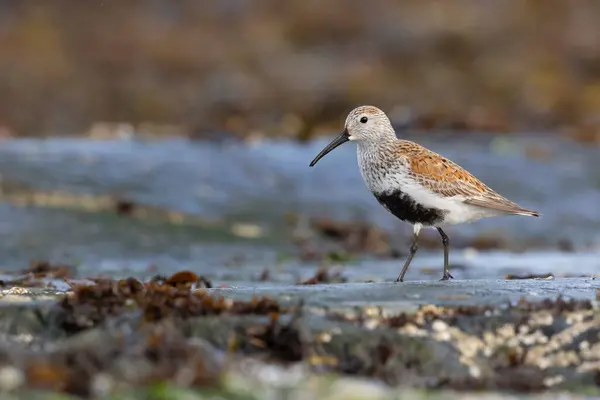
527	336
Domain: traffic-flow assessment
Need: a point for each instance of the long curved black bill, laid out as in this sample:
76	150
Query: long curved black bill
343	138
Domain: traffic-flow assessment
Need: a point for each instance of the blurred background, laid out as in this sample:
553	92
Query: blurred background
148	135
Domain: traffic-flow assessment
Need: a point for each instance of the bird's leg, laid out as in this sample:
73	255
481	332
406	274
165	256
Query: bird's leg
413	249
446	243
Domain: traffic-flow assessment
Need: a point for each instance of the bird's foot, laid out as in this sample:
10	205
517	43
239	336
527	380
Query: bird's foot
399	279
446	277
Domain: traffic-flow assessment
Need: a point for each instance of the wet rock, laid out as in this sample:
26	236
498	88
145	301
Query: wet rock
82	367
521	347
394	359
166	329
330	347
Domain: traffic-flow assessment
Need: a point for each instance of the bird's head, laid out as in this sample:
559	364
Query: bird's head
363	124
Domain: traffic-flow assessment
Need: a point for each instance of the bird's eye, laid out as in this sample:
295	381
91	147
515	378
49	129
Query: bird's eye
364	120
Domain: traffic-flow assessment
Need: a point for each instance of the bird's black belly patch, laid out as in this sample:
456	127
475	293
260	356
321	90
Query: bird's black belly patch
407	209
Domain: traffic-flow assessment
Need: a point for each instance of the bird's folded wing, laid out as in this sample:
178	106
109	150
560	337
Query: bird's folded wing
443	176
448	179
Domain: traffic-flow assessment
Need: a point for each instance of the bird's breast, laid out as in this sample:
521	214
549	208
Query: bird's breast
387	175
384	178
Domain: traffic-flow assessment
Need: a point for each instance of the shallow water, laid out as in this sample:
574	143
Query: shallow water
262	182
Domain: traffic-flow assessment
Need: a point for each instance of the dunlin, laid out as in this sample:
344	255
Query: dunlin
415	184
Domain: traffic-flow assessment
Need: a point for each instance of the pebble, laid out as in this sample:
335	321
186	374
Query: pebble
371	324
523	329
324	337
11	378
412	330
248	231
102	384
553	380
506	331
474	371
439	326
16	291
347	389
443	336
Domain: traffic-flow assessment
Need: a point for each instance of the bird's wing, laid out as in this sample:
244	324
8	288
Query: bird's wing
448	179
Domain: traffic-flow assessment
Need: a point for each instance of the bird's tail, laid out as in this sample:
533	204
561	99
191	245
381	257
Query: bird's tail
501	204
529	213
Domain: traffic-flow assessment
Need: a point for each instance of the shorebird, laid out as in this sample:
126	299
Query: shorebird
415	184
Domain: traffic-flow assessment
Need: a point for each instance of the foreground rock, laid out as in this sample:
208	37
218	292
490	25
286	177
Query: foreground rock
107	336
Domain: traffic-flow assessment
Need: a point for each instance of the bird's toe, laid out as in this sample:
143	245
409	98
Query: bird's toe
447	277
